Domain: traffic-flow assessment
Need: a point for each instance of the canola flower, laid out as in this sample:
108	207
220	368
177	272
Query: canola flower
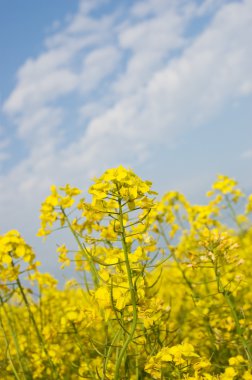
166	289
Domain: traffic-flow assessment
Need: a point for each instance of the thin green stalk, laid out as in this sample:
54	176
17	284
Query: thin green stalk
187	281
233	213
110	350
12	365
233	312
85	252
13	333
8	353
39	336
132	295
137	367
175	259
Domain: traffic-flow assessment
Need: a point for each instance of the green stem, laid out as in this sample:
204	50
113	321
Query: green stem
234	315
39	336
233	213
9	355
14	336
187	281
12	365
132	295
85	252
109	351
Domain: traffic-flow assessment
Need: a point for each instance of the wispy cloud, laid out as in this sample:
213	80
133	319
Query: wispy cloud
247	154
4	155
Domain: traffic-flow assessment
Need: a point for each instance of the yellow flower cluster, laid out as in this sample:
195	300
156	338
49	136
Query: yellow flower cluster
175	360
163	289
15	256
53	206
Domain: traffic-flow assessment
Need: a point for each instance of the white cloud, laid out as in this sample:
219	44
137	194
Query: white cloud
189	90
90	110
247	154
97	65
4	154
146	8
144	103
43	90
41	121
86	6
57	71
150	42
47	62
246	87
4	143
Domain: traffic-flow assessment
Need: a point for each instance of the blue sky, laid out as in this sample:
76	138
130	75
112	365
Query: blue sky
162	86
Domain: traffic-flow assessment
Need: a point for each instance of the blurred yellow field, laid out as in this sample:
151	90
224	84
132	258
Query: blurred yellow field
166	290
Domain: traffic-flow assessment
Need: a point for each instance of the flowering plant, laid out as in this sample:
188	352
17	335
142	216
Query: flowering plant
165	290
